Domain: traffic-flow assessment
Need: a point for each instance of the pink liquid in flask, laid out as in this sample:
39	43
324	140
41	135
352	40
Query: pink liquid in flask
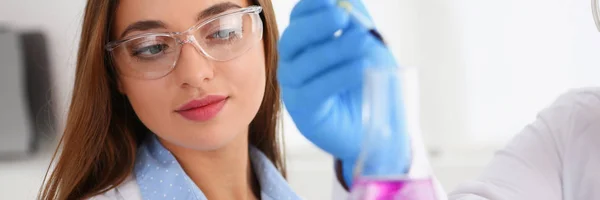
393	189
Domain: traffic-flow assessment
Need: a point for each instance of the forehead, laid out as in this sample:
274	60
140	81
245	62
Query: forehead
176	14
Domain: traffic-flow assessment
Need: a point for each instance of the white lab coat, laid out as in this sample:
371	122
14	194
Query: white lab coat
557	157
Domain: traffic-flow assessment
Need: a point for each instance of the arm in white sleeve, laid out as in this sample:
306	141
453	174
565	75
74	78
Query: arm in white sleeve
532	165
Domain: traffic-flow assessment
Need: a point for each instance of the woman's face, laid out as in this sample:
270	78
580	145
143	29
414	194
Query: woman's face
202	104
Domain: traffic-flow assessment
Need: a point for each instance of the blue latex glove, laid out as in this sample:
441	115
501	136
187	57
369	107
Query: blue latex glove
321	76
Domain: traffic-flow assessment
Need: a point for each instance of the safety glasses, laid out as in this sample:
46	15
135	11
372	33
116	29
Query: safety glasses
223	37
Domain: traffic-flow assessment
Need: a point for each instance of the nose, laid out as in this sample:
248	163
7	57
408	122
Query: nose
193	68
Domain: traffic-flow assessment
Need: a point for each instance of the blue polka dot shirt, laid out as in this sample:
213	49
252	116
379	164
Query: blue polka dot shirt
160	176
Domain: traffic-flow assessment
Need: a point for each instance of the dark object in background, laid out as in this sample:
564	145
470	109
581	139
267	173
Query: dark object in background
26	110
39	85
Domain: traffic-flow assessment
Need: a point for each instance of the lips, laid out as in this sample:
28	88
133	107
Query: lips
203	109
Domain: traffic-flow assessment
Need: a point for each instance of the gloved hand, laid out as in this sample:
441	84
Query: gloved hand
321	76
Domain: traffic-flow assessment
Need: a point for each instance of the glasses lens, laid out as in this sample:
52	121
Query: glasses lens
230	36
147	57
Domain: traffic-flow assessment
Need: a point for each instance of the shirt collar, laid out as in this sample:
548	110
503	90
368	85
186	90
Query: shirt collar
160	176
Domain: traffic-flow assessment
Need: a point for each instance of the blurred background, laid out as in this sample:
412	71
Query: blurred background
485	68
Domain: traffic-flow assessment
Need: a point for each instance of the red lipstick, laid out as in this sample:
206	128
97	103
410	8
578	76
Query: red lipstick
203	109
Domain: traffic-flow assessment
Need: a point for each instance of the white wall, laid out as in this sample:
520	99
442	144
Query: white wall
520	55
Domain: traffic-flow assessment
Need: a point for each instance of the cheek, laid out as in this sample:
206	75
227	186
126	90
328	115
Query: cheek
150	100
248	78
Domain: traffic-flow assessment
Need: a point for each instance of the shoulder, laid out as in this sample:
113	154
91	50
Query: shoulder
578	99
128	190
573	118
574	110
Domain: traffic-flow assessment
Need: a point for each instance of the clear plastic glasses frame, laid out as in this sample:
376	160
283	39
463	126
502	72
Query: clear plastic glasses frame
222	37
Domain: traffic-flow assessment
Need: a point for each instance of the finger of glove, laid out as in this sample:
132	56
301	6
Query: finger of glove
333	127
333	82
305	7
353	44
306	31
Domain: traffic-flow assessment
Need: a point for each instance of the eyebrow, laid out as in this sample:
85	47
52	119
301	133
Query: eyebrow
143	26
216	9
156	24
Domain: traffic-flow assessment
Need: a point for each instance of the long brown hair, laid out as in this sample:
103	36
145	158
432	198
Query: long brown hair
98	147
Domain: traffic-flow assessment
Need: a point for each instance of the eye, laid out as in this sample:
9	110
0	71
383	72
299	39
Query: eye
226	34
151	50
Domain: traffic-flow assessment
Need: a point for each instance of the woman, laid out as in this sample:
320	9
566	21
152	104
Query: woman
164	111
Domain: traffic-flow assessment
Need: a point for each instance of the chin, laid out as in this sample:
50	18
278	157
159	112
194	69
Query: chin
205	138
